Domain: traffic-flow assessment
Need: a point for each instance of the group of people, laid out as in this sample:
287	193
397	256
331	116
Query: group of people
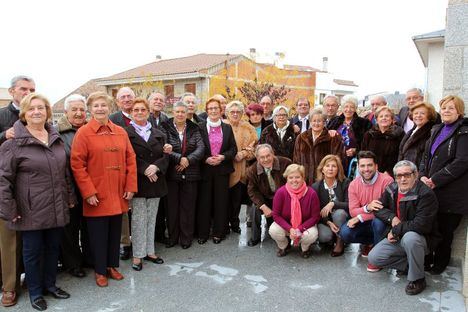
89	191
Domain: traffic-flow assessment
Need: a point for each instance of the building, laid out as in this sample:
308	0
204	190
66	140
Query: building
5	97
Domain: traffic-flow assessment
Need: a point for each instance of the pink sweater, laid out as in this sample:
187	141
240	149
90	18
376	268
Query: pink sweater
360	194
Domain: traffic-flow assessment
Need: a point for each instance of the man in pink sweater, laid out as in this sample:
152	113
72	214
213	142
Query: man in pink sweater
363	194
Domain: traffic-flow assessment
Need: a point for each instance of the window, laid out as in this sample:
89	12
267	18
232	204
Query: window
190	87
322	97
169	91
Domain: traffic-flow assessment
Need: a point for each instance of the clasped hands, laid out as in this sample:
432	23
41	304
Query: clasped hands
215	160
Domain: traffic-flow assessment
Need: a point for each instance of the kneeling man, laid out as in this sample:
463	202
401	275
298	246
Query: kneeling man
409	209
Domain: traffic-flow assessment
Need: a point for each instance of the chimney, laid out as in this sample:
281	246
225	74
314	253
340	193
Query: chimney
278	61
158	58
253	54
325	64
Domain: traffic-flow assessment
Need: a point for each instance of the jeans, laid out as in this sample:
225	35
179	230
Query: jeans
37	245
368	232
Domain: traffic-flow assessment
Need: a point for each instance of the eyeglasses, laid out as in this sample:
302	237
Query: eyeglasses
235	112
406	175
212	108
282	115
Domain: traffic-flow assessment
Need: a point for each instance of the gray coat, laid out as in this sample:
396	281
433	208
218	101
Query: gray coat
33	181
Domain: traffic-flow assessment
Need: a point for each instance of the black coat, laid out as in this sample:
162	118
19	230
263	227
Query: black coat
283	147
118	118
448	167
412	145
359	125
384	145
418	211
341	193
228	149
195	151
8	116
158	123
150	153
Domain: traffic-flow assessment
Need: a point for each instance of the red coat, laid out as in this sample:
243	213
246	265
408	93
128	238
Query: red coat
103	163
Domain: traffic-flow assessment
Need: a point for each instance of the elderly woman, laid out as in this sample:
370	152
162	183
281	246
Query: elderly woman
280	135
255	114
246	138
296	212
444	168
314	144
413	143
104	166
182	175
191	102
148	143
332	190
75	233
35	195
351	127
384	139
220	151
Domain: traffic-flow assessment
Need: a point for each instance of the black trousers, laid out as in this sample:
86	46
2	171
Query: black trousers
236	197
75	241
448	223
181	199
161	218
256	218
213	202
104	239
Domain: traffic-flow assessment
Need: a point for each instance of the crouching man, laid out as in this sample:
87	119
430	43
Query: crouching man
409	210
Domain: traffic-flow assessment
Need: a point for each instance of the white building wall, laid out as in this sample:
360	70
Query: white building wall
435	73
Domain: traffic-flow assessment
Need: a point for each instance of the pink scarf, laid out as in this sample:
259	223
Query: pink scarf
296	213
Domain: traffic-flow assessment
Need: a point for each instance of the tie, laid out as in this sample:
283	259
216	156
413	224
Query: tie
271	182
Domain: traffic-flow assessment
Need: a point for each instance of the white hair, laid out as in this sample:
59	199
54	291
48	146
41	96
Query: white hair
124	89
233	104
278	108
349	99
73	98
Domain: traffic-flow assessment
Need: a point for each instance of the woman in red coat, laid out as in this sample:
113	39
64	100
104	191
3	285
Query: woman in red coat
104	166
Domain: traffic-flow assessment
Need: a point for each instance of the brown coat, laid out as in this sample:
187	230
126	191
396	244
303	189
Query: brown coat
257	182
104	164
33	181
309	153
284	147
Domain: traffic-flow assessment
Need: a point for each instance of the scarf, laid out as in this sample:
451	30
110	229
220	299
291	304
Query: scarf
281	131
213	124
296	213
143	131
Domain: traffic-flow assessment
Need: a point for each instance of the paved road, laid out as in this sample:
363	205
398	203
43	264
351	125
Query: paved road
234	277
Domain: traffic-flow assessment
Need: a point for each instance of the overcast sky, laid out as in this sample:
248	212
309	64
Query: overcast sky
63	44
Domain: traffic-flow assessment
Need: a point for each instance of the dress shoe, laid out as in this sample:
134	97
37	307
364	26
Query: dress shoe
77	272
157	260
249	224
253	242
305	253
114	274
39	304
236	230
436	270
201	241
281	252
125	253
57	293
8	298
415	287
217	240
101	280
338	250
161	239
170	244
137	266
186	246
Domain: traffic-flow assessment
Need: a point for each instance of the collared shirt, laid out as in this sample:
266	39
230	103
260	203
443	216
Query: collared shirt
372	181
303	121
14	105
409	124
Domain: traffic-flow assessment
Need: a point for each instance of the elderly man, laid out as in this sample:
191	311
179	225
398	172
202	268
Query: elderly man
376	102
363	194
125	97
191	101
10	241
413	96
264	177
409	210
301	120
330	105
267	104
74	234
157	102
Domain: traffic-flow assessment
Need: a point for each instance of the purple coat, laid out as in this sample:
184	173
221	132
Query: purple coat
310	208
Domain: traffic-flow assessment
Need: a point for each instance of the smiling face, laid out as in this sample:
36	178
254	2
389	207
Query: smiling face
281	118
235	114
180	114
190	102
367	168
295	180
448	113
125	101
348	110
140	114
267	105
36	113
100	110
413	97
213	110
303	107
420	116
330	170
265	157
20	90
76	113
384	119
317	123
157	102
331	107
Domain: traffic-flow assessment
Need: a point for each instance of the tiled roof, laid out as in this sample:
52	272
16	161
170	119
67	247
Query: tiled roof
85	90
345	82
182	65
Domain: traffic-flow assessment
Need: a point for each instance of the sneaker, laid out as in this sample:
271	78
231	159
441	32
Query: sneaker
415	287
365	250
373	268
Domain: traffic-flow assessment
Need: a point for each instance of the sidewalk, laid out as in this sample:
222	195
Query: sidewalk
234	277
